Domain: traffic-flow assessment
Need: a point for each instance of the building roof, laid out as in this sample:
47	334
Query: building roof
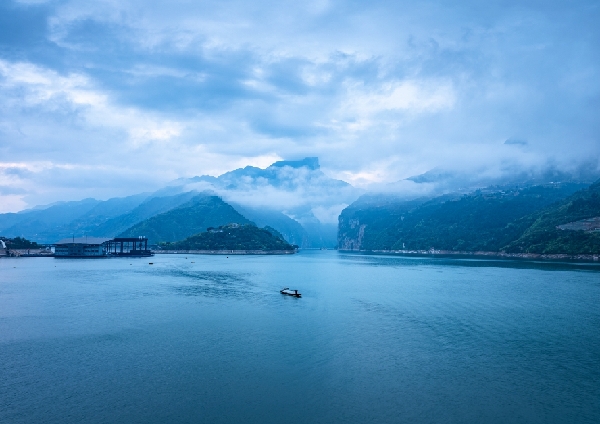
84	240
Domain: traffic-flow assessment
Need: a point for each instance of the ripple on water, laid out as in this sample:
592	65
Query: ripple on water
188	282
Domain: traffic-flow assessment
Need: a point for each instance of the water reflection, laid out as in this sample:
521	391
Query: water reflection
457	261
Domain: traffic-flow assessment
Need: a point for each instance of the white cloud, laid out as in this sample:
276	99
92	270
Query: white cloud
12	203
43	87
413	96
362	107
379	91
328	214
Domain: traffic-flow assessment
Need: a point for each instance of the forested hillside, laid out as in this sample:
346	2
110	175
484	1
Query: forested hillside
549	231
188	219
517	219
233	237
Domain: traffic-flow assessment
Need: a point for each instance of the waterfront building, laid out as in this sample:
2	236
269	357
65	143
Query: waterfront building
101	247
129	246
82	247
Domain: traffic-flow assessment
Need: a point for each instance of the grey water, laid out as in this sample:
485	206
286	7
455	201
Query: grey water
374	339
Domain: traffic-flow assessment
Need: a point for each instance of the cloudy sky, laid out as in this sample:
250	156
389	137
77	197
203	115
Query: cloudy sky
100	98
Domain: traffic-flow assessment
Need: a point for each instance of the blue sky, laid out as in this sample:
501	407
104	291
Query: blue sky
100	98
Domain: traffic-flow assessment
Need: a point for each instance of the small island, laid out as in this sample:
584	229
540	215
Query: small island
232	239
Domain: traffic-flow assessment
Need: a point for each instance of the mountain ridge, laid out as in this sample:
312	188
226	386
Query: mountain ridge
483	221
192	217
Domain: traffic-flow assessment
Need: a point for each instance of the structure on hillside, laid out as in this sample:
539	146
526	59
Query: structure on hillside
101	247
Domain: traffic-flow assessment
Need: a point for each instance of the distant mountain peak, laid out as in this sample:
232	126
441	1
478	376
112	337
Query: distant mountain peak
308	162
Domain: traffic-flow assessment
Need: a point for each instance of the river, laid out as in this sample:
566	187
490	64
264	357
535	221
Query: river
374	339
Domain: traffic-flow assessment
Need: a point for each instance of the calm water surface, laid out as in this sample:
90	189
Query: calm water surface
374	339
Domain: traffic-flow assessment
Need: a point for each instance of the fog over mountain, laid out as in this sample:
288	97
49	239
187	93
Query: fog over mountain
297	188
439	181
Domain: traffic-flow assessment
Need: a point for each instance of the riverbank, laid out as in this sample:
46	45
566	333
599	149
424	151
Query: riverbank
36	254
26	253
482	254
226	252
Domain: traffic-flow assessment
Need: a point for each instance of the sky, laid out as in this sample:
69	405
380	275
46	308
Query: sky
104	98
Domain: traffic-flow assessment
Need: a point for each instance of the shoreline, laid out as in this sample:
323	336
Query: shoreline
224	252
483	254
26	253
594	258
160	252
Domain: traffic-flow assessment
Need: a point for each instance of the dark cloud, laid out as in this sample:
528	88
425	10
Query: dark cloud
17	172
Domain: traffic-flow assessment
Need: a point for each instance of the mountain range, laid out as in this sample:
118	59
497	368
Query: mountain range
546	212
293	197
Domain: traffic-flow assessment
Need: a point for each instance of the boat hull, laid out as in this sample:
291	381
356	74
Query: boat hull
290	293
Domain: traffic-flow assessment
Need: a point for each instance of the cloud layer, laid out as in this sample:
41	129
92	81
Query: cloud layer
104	97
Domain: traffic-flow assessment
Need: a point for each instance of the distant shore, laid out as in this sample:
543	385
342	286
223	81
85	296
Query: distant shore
431	252
226	252
483	254
30	253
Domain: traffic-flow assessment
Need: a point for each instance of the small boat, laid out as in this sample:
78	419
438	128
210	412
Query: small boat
289	292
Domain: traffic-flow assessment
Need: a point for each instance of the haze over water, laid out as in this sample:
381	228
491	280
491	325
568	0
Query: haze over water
376	339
